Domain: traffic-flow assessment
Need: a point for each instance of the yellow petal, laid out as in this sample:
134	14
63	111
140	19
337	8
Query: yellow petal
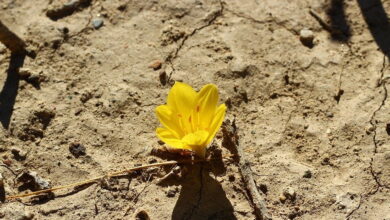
181	98
206	104
168	118
197	142
169	138
217	122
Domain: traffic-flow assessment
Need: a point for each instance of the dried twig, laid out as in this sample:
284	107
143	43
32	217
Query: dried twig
325	25
11	40
94	180
230	132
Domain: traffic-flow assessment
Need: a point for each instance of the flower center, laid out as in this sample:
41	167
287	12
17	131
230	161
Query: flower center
197	141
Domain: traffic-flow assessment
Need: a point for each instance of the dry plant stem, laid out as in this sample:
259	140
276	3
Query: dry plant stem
258	202
114	174
11	40
257	199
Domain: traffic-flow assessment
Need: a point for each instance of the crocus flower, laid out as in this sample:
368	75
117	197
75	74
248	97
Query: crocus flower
190	119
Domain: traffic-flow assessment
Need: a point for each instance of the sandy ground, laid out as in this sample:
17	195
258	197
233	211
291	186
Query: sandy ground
312	120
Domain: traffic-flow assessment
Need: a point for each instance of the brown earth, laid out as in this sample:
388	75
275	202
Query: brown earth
313	121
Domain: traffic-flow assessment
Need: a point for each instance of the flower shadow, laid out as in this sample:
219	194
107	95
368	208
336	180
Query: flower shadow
202	197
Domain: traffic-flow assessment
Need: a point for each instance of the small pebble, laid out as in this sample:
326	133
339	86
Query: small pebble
19	154
325	161
97	23
142	215
289	193
152	160
370	129
155	65
329	114
25	72
306	36
77	149
307	174
171	193
282	198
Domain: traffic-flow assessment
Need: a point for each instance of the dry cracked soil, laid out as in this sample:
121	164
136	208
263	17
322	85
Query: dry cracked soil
305	82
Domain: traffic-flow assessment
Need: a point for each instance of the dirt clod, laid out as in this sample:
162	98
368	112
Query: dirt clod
19	154
77	149
307	174
155	65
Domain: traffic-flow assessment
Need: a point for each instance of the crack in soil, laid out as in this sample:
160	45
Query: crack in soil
213	17
375	141
200	194
270	20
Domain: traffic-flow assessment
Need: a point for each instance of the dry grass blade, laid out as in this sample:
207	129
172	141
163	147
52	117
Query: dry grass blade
118	173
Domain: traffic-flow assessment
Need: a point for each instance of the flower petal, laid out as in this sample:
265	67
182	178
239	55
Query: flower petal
181	98
169	138
217	122
167	118
206	104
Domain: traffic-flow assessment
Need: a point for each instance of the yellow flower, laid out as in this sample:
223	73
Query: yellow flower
190	119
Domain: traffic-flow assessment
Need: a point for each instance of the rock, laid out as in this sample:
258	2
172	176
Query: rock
97	23
289	193
86	96
31	180
163	78
306	36
77	149
35	79
19	154
155	65
371	129
171	193
142	215
307	174
282	198
329	114
25	72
